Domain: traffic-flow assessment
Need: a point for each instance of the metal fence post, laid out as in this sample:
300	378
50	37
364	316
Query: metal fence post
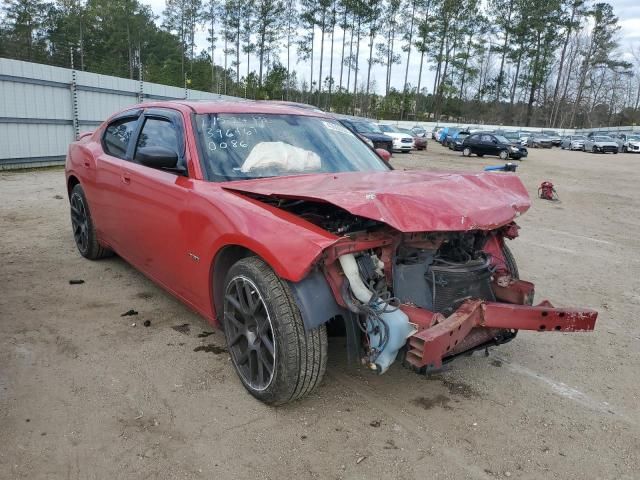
74	100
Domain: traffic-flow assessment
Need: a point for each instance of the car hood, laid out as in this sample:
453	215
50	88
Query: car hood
407	201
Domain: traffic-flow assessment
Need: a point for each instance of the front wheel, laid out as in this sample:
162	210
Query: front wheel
504	155
466	152
275	358
594	149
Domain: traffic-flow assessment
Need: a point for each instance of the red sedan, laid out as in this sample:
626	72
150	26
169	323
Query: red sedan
274	222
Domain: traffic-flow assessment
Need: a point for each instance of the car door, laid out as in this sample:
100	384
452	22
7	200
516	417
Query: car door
487	145
107	200
157	205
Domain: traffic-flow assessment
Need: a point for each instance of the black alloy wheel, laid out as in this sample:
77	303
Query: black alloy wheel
79	223
249	333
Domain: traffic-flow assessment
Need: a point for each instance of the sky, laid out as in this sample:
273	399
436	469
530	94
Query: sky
628	12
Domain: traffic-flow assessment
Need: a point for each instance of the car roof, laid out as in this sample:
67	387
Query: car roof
239	106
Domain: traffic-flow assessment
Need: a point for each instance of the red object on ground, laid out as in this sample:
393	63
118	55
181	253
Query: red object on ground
546	191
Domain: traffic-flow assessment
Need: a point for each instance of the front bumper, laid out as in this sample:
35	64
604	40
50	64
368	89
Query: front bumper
633	148
606	148
479	322
576	146
400	146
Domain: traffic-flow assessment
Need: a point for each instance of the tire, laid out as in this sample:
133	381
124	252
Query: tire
593	149
624	149
511	262
466	152
504	155
84	232
584	149
271	330
481	154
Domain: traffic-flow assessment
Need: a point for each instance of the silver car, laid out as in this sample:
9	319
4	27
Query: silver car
600	144
572	142
629	142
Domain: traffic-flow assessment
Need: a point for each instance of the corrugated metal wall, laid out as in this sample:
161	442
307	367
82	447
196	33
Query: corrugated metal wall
37	108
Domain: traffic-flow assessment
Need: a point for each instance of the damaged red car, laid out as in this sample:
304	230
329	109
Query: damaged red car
277	223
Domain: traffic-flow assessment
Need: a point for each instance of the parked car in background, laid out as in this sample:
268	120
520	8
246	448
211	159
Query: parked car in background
452	133
600	144
435	133
524	137
402	142
539	140
572	142
487	143
370	131
419	141
628	142
554	136
456	143
418	131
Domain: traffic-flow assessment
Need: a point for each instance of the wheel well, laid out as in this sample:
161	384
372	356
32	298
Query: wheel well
223	261
71	182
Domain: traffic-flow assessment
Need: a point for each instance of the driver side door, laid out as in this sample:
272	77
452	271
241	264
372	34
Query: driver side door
157	205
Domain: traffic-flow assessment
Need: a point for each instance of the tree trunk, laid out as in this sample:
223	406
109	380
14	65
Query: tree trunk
344	41
322	30
333	31
406	71
504	54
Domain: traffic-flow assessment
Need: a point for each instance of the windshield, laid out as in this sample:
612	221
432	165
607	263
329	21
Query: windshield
389	128
502	139
365	127
577	137
511	135
244	146
419	130
550	133
603	139
633	138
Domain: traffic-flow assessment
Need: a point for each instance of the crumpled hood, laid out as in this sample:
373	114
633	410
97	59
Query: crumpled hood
415	201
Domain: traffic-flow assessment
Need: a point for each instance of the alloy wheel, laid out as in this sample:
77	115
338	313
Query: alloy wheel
249	333
79	222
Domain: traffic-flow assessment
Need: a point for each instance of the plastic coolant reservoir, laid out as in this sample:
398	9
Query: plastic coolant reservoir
399	329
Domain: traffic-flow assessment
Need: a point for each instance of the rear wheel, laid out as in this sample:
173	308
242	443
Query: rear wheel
84	232
275	358
624	149
466	152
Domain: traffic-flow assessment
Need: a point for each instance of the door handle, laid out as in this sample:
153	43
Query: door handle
87	164
126	179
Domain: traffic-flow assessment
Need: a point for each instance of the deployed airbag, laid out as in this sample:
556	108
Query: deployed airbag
281	157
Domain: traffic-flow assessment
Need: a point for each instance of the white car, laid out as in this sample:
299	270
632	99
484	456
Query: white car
600	144
401	141
629	143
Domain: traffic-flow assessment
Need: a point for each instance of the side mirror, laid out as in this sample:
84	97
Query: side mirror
494	140
383	154
157	157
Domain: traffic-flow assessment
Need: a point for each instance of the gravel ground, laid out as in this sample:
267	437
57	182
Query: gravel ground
85	394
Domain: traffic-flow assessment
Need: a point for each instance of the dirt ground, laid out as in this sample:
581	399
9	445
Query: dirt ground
86	395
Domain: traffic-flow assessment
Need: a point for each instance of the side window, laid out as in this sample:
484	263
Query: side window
117	136
474	138
486	138
158	133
